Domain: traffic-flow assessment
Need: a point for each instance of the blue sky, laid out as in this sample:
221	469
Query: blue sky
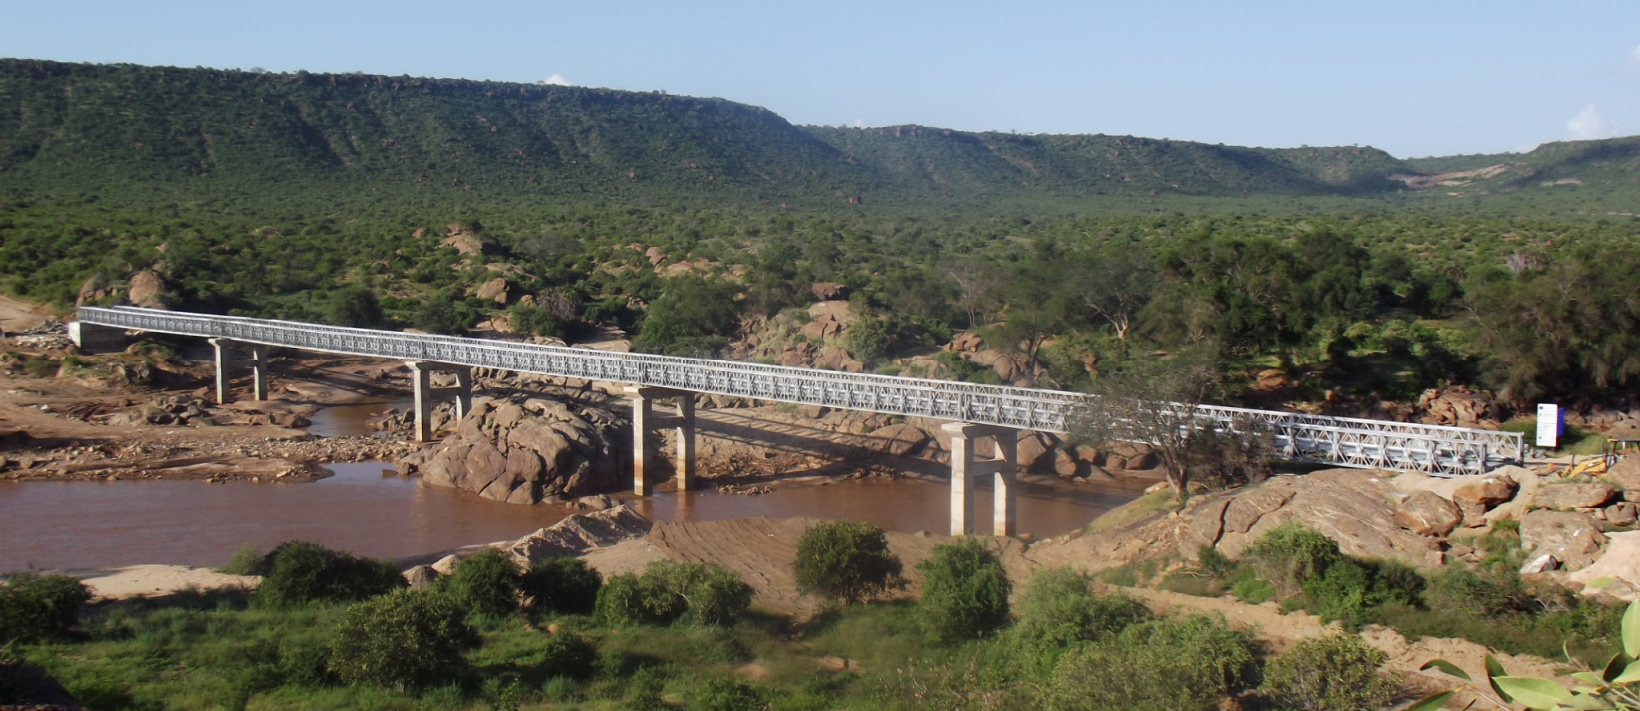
1413	78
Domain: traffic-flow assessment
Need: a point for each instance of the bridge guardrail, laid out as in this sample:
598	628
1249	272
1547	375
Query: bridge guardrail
1355	442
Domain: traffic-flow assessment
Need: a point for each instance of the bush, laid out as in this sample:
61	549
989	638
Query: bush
297	572
965	592
1175	664
1059	611
668	591
409	638
564	586
1489	592
1290	555
845	561
567	654
485	583
37	608
728	695
245	561
1336	673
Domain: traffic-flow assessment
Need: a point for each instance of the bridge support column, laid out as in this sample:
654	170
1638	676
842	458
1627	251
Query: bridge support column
645	420
226	358
91	338
966	469
421	372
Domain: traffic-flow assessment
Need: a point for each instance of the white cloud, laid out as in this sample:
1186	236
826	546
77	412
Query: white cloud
558	79
859	123
1591	124
1635	55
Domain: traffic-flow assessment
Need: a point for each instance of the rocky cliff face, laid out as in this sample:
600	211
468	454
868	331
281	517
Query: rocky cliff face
528	450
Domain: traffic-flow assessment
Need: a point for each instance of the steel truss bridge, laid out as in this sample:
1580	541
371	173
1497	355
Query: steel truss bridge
1299	437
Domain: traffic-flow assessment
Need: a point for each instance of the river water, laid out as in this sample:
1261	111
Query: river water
367	509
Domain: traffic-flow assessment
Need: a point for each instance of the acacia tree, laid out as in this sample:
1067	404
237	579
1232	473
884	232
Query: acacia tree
1159	402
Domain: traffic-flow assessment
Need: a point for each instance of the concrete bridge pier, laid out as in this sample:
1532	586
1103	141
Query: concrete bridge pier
228	355
966	469
421	372
91	338
645	420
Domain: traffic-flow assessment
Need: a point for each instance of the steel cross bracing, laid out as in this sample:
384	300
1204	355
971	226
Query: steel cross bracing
1350	442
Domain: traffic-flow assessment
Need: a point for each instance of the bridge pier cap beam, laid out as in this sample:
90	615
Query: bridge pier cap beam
965	470
646	420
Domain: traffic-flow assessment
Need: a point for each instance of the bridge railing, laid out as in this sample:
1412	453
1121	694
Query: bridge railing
1304	437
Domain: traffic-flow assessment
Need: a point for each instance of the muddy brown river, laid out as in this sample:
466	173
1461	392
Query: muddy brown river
82	526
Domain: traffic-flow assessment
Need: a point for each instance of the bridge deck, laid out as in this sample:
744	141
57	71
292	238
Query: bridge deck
1342	441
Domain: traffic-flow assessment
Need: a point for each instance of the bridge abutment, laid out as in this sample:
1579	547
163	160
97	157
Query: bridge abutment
966	469
91	338
646	420
228	355
421	372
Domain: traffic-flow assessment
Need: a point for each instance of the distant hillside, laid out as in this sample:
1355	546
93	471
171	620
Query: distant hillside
82	131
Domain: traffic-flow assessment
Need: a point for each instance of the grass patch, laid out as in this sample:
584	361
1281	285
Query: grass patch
1142	507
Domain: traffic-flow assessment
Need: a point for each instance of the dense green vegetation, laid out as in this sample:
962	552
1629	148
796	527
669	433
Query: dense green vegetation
327	197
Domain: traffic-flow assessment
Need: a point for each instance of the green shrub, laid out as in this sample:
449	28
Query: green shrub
965	592
668	591
845	561
1059	610
1489	592
570	655
1289	555
297	572
1175	664
1341	593
565	586
405	639
718	694
245	561
1334	673
354	306
485	583
37	608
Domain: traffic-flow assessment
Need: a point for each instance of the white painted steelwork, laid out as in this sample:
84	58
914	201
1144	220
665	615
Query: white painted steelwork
1343	441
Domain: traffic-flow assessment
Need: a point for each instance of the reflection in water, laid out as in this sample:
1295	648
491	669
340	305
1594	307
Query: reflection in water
1047	507
351	419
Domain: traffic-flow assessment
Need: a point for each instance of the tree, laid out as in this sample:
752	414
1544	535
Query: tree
689	312
406	639
965	592
562	585
356	307
1158	402
845	561
1113	285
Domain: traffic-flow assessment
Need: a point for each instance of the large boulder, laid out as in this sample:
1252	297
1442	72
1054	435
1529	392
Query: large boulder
1427	514
898	440
1349	506
1572	538
1573	496
1625	475
527	451
1620	562
1485	492
147	290
1033	450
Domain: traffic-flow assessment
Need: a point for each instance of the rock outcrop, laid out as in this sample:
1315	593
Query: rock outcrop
1427	514
578	534
1574	539
527	451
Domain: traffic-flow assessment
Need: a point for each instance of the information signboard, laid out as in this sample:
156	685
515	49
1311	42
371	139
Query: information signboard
1551	424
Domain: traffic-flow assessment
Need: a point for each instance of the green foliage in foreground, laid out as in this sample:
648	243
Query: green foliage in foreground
404	639
668	591
845	561
298	572
965	592
485	583
1333	673
37	608
563	586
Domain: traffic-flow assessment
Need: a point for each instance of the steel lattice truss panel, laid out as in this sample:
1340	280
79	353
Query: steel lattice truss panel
1351	442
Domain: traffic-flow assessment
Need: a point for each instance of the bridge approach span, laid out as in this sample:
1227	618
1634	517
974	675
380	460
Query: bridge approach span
1341	441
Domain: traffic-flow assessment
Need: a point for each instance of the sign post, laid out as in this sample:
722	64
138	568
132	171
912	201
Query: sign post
1551	424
